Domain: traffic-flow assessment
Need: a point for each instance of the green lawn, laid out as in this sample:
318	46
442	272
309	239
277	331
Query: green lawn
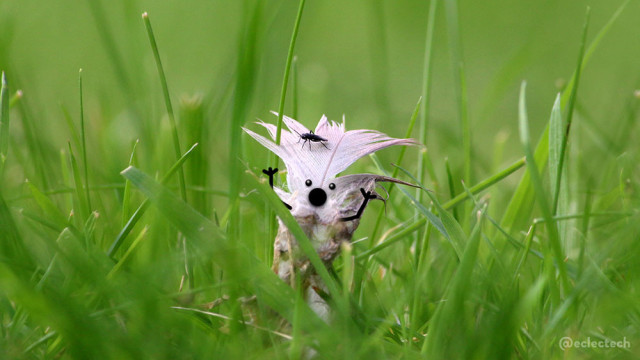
526	247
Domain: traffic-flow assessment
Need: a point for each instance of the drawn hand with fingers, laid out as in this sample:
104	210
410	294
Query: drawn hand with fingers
367	196
270	172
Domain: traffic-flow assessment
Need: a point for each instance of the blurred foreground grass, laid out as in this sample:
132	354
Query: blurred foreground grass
509	269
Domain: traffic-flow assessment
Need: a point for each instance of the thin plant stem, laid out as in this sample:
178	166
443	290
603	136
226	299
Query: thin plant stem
541	197
412	122
145	204
571	105
486	183
4	123
287	70
448	205
453	29
426	94
84	144
167	102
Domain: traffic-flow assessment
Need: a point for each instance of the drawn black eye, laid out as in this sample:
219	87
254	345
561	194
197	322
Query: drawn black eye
308	182
332	186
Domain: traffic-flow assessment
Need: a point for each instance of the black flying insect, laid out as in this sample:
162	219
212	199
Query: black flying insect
311	137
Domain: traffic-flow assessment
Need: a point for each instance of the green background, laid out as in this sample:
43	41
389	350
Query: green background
224	63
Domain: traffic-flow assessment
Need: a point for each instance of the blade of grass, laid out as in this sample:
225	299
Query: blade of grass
347	271
616	215
4	123
454	231
400	235
452	188
419	207
42	340
296	348
285	78
83	210
605	29
75	138
555	140
421	276
291	61
539	192
15	98
486	183
294	88
517	245
145	204
412	122
519	209
572	101
246	68
56	311
48	207
423	159
89	230
235	258
556	135
13	252
34	142
82	259
529	300
127	228
584	230
84	144
126	194
197	127
66	180
126	255
69	189
409	229
248	323
109	42
524	251
377	46
167	101
457	61
40	220
450	317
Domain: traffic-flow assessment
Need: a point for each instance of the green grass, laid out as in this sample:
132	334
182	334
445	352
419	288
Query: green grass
135	222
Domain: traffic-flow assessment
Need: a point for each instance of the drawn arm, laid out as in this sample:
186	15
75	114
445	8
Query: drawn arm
367	196
270	172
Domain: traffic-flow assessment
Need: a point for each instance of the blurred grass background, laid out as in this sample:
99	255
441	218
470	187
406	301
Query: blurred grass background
360	58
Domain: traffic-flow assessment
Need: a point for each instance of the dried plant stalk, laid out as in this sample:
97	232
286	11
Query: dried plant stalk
328	208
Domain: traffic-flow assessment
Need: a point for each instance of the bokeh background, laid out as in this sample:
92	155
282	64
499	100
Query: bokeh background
224	61
359	58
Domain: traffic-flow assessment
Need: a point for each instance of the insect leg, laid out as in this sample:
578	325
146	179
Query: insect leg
300	136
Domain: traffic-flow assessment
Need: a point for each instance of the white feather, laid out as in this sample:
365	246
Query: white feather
321	162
